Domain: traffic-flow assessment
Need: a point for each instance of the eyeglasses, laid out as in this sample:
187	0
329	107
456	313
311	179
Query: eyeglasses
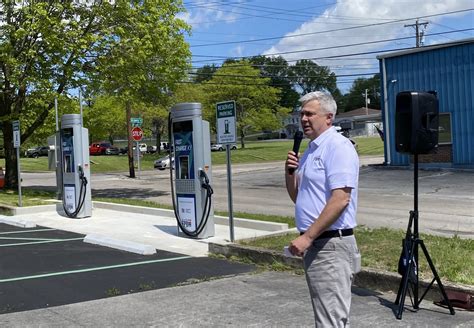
311	114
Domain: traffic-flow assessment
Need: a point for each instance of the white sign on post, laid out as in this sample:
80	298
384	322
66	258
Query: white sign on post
225	114
16	134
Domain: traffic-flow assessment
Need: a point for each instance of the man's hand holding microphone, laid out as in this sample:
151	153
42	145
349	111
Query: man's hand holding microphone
292	159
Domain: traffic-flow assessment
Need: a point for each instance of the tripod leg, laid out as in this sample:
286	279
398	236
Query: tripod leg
435	274
406	279
407	236
397	300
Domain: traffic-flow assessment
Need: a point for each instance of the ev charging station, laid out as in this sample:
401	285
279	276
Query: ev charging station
74	167
191	183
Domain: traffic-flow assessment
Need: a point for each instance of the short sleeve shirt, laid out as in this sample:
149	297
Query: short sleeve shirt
329	163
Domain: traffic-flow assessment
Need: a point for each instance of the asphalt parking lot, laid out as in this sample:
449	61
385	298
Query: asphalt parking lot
42	267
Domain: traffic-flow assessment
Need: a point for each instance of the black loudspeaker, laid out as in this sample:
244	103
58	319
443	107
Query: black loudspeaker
416	122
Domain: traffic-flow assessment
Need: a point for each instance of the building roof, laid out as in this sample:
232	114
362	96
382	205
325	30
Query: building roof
359	112
360	115
426	48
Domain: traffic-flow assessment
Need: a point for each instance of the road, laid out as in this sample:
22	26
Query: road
446	199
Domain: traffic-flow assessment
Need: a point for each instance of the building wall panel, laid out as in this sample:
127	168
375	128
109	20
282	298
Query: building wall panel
450	72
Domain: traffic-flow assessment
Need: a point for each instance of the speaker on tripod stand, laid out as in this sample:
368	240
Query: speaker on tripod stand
416	132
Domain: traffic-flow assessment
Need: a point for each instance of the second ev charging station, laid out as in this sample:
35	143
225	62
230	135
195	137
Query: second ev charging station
191	184
75	167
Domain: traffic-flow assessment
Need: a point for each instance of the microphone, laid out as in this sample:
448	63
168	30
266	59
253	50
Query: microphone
296	147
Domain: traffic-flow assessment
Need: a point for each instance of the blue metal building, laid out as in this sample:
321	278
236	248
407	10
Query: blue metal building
447	69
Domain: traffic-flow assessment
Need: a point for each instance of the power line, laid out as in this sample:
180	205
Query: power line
327	31
281	77
361	53
336	47
324	57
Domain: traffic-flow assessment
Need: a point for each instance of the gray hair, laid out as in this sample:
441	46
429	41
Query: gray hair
326	101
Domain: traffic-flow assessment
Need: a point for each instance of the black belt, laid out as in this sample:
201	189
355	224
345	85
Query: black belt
334	233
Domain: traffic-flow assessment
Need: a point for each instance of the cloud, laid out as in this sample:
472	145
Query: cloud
205	15
341	19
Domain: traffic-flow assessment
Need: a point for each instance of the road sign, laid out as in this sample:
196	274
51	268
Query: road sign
225	113
136	121
16	134
137	133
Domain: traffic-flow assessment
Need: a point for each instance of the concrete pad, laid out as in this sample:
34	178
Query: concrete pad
123	245
157	231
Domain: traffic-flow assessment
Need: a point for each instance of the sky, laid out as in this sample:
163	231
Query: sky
350	32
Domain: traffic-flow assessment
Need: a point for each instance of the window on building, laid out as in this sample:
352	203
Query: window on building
444	136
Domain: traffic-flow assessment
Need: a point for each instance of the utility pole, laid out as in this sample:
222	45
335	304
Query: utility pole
366	103
419	34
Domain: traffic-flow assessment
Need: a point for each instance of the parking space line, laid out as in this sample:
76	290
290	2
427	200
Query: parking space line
42	242
124	265
25	231
26	238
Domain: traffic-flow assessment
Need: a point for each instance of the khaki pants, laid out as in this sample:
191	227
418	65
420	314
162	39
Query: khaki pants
330	265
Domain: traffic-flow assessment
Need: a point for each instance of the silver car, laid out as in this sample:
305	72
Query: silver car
220	147
163	163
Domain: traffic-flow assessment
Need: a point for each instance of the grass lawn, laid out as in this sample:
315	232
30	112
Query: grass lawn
262	151
380	248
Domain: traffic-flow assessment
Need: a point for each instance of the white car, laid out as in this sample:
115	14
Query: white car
163	163
142	147
220	147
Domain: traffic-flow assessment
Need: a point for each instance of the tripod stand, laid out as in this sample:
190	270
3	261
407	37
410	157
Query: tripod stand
411	270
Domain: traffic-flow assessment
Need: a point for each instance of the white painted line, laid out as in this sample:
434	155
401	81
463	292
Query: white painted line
123	245
25	231
93	269
41	242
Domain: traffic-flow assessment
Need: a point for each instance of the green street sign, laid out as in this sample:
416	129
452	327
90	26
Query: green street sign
136	121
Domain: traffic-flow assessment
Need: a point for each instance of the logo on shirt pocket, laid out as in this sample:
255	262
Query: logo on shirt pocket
318	163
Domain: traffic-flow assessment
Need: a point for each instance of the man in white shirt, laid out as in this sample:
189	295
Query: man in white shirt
324	190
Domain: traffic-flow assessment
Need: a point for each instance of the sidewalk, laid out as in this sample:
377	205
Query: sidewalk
269	299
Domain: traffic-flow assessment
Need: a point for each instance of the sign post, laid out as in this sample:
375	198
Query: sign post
137	135
16	144
226	134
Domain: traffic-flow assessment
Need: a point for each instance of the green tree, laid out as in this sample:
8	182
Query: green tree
278	70
256	101
204	73
355	98
105	119
48	48
309	76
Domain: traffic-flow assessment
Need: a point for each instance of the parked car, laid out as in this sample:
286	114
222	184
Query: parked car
151	149
37	151
220	147
163	163
345	133
103	148
142	147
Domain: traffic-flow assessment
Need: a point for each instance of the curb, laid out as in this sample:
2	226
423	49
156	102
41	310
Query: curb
221	220
367	278
123	245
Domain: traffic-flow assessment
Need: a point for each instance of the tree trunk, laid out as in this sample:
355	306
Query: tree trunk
242	136
11	174
131	167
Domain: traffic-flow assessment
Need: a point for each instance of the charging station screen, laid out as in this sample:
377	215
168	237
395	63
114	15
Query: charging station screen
67	147
184	167
183	149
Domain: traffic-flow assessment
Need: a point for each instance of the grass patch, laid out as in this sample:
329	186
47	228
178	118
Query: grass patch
30	197
254	152
380	248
